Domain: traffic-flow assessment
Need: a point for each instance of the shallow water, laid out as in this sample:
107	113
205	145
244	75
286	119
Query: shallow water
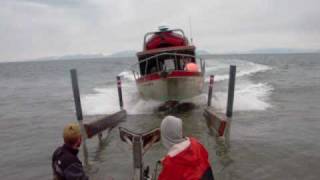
275	128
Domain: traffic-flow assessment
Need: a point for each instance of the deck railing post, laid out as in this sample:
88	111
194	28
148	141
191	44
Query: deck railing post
120	92
77	101
210	90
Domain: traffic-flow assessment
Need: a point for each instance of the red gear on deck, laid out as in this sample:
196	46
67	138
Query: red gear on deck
192	67
165	39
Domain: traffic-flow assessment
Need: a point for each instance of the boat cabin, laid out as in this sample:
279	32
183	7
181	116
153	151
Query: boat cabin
165	50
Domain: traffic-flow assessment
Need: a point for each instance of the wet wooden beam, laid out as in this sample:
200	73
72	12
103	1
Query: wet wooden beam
216	122
110	121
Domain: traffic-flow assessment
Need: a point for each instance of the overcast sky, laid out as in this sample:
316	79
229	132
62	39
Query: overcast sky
40	28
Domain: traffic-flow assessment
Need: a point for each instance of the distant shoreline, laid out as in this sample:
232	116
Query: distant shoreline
131	57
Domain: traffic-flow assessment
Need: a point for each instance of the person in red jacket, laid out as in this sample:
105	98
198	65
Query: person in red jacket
187	159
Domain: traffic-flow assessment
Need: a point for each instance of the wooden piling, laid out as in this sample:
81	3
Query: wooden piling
232	80
77	102
76	94
210	90
231	88
120	92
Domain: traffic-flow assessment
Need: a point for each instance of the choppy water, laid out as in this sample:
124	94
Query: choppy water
275	128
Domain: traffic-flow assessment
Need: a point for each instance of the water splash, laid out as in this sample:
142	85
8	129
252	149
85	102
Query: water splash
244	68
248	95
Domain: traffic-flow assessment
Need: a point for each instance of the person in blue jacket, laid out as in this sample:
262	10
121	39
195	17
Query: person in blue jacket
65	163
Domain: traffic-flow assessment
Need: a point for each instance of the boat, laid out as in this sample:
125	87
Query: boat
168	68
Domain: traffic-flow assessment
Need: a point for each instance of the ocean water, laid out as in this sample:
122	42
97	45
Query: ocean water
274	133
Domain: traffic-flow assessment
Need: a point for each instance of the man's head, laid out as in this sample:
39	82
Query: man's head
171	131
72	135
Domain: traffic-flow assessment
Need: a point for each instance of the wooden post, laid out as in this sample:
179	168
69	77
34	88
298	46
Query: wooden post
232	80
210	90
77	102
120	92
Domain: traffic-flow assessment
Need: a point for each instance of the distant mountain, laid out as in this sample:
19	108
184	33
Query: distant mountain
132	53
71	57
127	53
81	56
120	54
281	51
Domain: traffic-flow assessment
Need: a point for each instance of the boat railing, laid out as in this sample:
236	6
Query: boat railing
135	68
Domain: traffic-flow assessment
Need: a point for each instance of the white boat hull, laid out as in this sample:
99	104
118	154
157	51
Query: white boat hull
171	88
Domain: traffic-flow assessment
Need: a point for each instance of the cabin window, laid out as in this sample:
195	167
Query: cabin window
169	64
185	61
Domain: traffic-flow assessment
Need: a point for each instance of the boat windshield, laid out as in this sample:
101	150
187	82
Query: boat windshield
165	62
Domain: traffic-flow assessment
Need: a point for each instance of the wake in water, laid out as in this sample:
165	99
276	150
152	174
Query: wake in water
248	95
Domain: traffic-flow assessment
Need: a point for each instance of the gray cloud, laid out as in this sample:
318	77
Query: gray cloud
37	28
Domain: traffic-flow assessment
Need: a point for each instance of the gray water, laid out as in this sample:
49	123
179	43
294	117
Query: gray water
275	128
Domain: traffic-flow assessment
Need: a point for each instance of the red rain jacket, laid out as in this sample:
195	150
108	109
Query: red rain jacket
190	164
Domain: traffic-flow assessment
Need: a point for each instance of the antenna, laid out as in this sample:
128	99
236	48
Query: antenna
190	30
